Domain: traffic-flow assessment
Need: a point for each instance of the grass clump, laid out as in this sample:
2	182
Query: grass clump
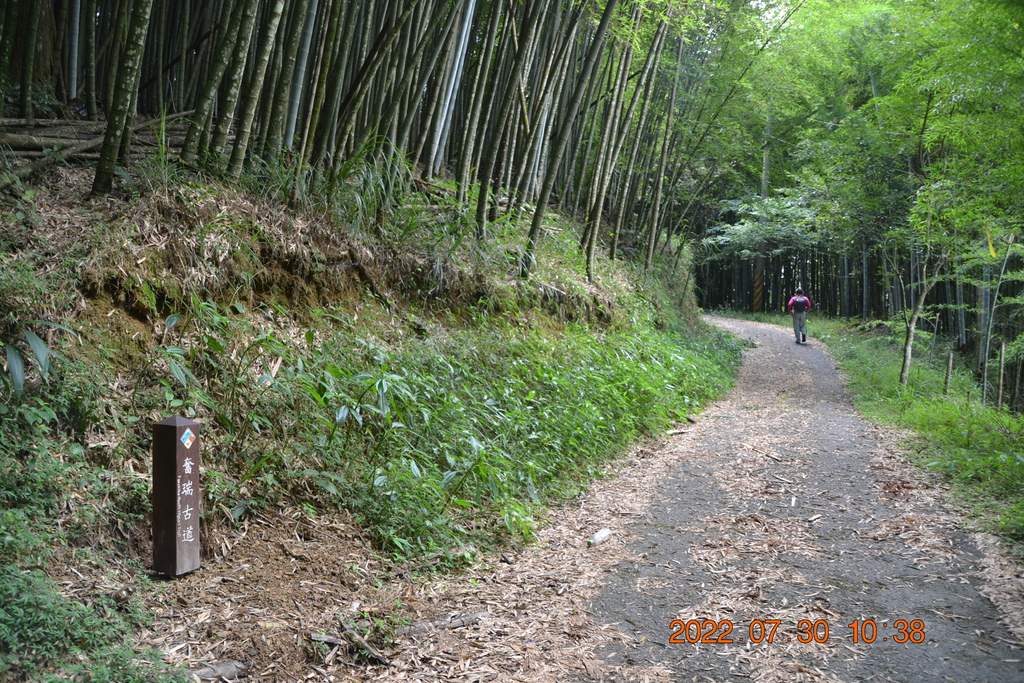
45	635
42	632
506	420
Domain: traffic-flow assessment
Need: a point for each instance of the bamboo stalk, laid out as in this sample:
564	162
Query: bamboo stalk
949	373
1002	373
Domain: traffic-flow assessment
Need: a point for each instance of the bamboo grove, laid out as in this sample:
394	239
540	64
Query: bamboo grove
869	151
526	103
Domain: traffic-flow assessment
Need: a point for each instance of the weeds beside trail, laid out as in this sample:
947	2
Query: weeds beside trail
451	436
977	447
434	444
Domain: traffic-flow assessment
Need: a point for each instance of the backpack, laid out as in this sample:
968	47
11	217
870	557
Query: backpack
800	304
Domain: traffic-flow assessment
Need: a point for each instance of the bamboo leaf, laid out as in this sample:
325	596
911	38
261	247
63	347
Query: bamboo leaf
991	249
316	396
179	372
50	323
16	369
41	352
214	344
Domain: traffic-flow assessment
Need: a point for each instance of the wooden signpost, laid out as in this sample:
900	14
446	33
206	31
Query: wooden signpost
175	496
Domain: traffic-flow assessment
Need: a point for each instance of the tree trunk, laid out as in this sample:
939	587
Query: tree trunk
865	301
844	287
28	62
451	90
548	76
608	159
74	30
908	342
537	9
8	22
272	139
327	57
234	77
204	109
961	315
299	79
349	109
430	114
324	129
423	71
250	103
596	47
926	285
984	312
476	97
128	84
646	85
991	320
659	180
91	108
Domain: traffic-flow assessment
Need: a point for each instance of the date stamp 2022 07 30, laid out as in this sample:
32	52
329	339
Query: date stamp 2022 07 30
724	631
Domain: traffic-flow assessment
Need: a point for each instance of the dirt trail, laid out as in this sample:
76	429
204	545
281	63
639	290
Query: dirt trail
787	506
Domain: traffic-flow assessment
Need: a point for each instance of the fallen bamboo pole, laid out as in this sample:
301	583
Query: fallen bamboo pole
17	174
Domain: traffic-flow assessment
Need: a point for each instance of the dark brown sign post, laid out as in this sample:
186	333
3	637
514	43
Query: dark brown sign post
175	496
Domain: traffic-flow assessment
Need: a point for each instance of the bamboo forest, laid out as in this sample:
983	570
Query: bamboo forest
416	273
869	150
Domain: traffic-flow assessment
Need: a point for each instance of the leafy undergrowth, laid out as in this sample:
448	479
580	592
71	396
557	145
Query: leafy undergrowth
437	438
399	373
977	447
43	476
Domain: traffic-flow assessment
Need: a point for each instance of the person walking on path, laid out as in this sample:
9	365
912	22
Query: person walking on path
798	307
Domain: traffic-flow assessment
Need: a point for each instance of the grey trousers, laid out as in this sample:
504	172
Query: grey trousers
799	325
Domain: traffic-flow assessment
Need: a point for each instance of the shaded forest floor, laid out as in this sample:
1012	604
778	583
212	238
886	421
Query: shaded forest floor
780	503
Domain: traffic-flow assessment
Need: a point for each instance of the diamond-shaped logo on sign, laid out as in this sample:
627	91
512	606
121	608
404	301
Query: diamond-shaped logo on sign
188	438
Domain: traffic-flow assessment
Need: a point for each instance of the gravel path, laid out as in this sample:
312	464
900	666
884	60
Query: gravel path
786	509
